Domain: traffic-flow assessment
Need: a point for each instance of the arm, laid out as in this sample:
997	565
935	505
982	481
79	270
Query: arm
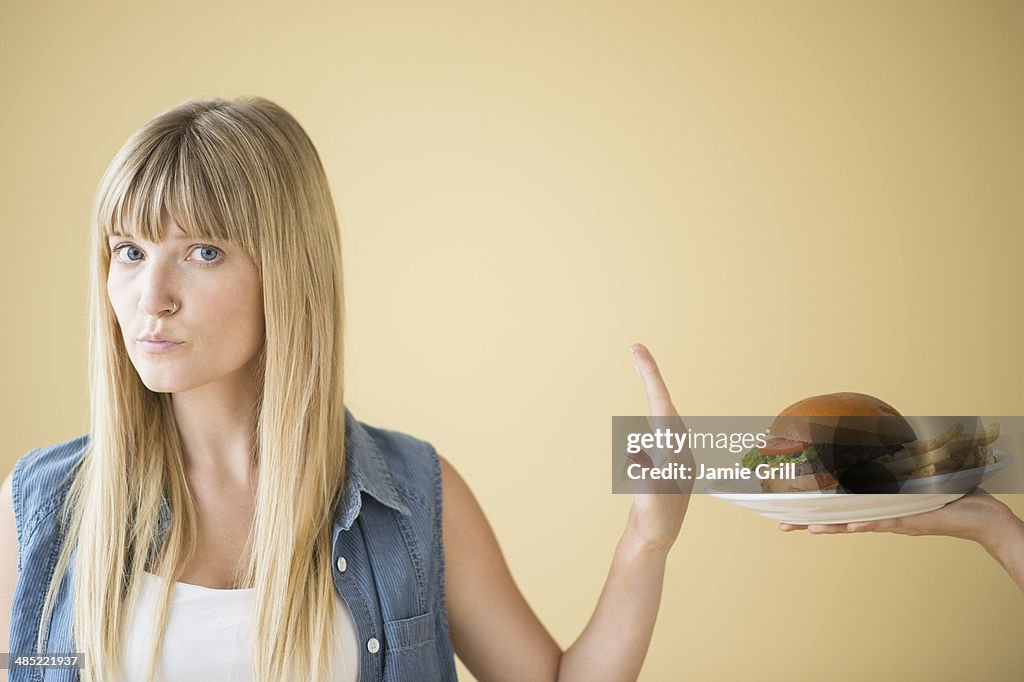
493	630
978	517
496	634
1008	548
503	639
614	643
8	564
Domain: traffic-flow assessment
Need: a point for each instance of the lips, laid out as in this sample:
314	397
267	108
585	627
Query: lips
158	338
158	346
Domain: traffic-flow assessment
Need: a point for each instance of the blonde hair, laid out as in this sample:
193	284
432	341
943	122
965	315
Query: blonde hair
244	171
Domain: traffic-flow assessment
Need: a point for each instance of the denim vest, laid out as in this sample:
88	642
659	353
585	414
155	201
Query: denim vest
387	554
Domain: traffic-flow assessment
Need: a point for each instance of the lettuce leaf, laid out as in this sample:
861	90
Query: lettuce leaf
754	457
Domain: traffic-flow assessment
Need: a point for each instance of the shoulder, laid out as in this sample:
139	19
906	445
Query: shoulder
394	444
40	479
412	462
461	509
409	457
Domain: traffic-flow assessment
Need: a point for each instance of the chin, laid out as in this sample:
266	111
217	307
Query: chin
163	384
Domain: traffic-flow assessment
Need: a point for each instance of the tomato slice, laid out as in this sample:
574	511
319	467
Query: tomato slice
782	446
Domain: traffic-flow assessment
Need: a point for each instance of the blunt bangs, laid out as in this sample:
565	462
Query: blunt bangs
188	173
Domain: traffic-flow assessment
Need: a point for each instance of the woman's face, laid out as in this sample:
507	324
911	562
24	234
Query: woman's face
206	296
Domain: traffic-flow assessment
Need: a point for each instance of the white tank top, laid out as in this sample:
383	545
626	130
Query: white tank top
209	635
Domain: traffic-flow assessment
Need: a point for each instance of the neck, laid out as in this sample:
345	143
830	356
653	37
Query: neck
217	426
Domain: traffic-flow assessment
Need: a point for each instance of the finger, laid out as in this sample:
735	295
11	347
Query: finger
658	399
869	526
890	525
641	458
786	527
827	528
863	526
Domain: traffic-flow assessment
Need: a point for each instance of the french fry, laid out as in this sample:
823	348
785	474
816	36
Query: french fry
982	456
919	447
963	443
949	451
904	461
929	470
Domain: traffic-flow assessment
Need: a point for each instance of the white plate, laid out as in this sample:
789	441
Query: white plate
805	508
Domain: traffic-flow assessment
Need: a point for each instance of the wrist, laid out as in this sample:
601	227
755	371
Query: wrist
632	545
1006	530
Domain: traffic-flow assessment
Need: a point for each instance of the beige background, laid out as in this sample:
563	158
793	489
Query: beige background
780	199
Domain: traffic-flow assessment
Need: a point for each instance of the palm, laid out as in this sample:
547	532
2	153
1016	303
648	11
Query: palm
659	506
969	517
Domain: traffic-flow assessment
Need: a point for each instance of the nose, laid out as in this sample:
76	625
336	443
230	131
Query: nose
157	297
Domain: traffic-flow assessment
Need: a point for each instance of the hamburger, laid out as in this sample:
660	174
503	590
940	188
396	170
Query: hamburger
835	440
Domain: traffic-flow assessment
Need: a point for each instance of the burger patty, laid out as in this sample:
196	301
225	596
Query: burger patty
840	457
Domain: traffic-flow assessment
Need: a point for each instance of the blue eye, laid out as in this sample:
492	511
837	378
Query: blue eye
127	247
205	249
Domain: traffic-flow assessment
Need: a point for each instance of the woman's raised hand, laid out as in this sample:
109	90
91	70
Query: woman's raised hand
658	505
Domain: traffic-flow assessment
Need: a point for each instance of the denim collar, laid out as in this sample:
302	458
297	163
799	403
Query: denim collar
366	471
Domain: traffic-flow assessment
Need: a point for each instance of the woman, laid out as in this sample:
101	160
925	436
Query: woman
219	492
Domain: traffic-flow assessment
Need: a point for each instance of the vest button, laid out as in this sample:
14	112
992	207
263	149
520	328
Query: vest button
342	564
373	646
